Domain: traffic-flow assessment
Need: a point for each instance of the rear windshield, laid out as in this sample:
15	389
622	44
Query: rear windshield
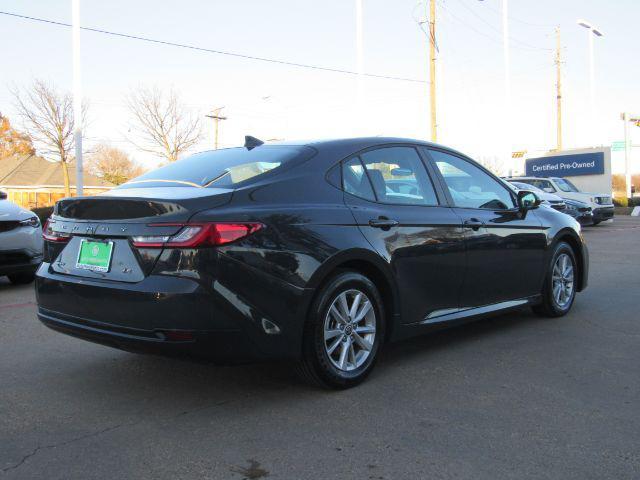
223	168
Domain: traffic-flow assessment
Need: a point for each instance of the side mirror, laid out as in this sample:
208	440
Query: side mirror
527	200
549	189
3	195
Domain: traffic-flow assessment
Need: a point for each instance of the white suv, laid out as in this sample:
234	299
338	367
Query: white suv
600	203
20	242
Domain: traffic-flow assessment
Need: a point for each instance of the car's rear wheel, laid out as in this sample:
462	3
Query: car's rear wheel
22	278
559	289
343	333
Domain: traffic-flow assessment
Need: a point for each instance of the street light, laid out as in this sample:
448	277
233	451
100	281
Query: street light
507	76
593	32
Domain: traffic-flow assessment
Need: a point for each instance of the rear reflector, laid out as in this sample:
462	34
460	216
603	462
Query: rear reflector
194	235
177	336
50	235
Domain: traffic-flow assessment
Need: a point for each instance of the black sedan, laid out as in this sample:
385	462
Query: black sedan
316	252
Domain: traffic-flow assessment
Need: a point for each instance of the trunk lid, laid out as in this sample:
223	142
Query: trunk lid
117	216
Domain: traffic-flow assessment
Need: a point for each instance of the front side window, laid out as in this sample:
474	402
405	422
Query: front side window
470	186
399	177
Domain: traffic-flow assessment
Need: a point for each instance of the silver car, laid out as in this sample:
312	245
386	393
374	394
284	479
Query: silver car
20	242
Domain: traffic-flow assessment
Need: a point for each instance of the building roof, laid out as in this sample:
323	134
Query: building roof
34	171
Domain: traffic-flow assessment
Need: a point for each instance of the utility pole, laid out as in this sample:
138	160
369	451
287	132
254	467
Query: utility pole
626	118
77	93
558	90
507	77
432	69
215	115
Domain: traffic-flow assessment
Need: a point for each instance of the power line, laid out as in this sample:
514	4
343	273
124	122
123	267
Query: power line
525	44
217	52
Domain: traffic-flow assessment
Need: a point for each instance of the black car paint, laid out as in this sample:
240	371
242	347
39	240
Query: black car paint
432	269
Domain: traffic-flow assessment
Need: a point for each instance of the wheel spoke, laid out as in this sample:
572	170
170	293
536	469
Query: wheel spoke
337	315
364	344
556	291
343	304
366	306
352	355
366	329
329	334
355	305
343	355
333	346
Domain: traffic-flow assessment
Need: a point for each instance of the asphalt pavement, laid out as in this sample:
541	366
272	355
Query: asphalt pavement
516	396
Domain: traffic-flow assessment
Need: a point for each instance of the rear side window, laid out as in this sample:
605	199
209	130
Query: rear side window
398	176
223	168
355	181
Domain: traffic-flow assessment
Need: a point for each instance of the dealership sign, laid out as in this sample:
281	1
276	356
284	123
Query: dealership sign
566	165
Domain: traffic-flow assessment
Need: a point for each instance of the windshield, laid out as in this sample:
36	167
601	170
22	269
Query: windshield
222	168
526	186
565	185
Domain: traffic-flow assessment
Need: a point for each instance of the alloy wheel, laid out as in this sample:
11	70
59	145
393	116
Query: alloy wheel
563	280
349	330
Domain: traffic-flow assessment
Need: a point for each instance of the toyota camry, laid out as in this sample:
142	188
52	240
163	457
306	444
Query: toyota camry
316	252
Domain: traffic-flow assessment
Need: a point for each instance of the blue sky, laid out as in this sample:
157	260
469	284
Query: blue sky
304	103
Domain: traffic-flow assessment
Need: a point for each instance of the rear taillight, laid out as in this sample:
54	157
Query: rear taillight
52	236
194	235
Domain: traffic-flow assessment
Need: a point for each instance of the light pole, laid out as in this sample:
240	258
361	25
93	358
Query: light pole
216	117
77	93
592	32
359	63
507	77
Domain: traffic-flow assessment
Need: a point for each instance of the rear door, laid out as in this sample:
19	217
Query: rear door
505	246
402	214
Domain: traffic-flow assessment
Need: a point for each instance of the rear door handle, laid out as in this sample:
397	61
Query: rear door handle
383	222
474	223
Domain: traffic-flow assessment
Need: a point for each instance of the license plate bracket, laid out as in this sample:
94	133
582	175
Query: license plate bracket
94	255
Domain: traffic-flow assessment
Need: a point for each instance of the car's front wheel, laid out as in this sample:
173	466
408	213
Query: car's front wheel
560	283
343	333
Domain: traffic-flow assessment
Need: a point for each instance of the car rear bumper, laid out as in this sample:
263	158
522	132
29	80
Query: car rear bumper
603	213
213	318
220	345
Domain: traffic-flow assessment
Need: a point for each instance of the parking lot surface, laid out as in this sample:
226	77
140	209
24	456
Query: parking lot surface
516	396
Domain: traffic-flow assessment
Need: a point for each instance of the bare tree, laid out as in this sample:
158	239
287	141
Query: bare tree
113	164
162	124
47	116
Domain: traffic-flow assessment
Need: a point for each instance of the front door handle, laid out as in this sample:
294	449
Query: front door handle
474	223
383	222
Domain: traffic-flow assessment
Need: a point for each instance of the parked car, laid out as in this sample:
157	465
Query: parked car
301	251
554	201
20	242
600	203
578	210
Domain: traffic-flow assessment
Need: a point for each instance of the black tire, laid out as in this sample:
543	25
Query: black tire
595	222
549	307
22	278
316	367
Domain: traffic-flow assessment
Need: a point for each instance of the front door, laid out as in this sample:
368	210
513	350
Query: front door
505	246
403	216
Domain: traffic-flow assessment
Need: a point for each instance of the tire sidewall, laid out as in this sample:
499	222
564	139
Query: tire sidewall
315	341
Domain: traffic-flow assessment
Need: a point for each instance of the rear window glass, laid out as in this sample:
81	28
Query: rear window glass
223	168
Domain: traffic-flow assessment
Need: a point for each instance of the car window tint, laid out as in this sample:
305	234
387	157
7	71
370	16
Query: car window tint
222	168
398	176
354	180
470	186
